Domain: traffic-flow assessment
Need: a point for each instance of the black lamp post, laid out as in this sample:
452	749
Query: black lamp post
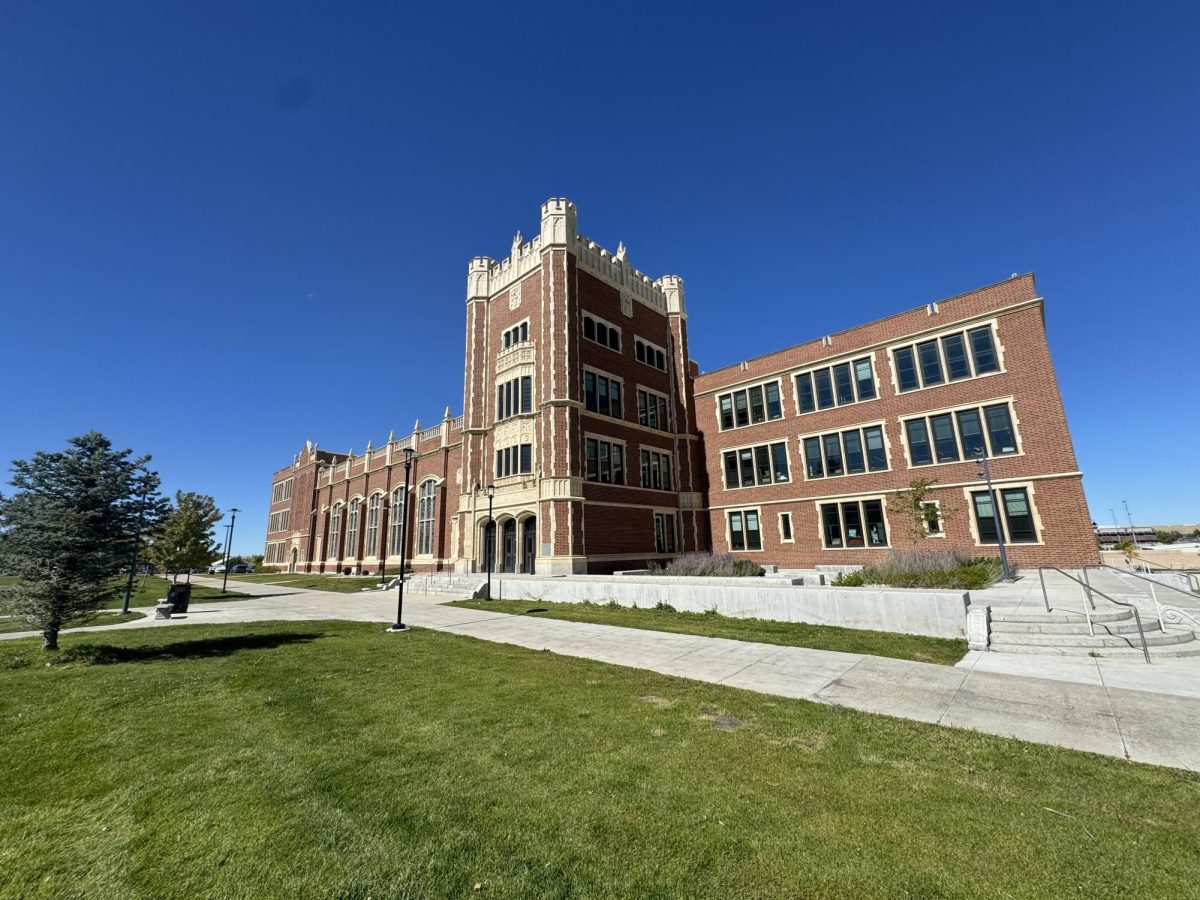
228	546
400	626
491	544
985	472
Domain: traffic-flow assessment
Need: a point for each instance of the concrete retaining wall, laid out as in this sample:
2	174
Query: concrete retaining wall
932	613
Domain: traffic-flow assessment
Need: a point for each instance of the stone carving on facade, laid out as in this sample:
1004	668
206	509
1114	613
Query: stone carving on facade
514	293
627	305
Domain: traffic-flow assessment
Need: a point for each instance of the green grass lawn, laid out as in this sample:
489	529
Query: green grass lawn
148	590
6	580
9	625
327	759
790	634
341	584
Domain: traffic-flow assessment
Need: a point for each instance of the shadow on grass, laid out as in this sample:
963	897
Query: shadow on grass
201	648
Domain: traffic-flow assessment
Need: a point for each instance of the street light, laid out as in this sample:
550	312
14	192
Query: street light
228	545
400	626
1132	530
490	546
985	472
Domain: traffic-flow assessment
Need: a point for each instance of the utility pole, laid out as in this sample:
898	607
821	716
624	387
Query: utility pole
985	472
1132	530
228	545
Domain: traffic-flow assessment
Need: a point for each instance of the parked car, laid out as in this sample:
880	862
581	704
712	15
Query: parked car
216	569
242	569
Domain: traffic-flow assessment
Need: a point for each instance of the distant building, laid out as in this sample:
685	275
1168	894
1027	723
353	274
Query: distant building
1110	537
606	448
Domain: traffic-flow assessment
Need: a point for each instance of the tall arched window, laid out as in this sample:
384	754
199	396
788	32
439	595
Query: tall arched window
335	530
425	503
373	525
397	521
352	528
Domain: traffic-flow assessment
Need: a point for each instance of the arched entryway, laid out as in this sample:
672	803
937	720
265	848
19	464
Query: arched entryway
508	546
294	560
528	544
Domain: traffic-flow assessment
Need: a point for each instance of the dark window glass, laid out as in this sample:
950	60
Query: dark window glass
753	534
876	453
918	442
726	411
933	519
758	412
499	463
833	454
666	473
762	460
589	329
614	339
507	339
985	518
779	459
1018	516
524	331
876	533
659	360
1000	431
618	464
526	394
831	525
660	539
527	458
843	383
602	333
589	391
737	539
852	518
731	470
656	471
943	438
747	466
956	357
854	452
645	468
605	462
804	391
984	350
739	408
812	457
774	407
971	433
931	363
593	473
785	526
602	394
824	388
865	379
615	407
906	368
499	401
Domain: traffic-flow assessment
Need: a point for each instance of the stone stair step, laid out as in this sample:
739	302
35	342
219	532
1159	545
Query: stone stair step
1062	618
1126	626
1191	649
1155	639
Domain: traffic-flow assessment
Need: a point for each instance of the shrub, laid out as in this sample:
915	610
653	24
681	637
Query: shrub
664	607
709	565
938	569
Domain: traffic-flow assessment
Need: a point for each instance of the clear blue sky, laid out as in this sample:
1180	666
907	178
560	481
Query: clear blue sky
229	227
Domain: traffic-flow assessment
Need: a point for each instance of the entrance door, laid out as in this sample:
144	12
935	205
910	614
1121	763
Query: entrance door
509	563
295	556
528	545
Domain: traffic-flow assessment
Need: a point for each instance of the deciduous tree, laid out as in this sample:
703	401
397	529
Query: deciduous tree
184	539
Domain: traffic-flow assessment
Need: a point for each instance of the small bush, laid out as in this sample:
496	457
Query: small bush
935	569
709	565
664	607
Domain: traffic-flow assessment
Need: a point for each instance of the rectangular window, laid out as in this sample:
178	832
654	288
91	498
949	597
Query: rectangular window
652	410
831	524
843	384
933	518
804	393
865	379
753	532
744	530
762	460
931	363
1018	516
605	461
593	460
747	465
944	441
737	538
726	403
731	470
833	454
650	354
983	348
526	459
758	412
906	369
785	526
985	518
1000	430
602	394
873	513
852	441
774	406
664	532
741	410
824	388
918	442
962	428
526	394
780	462
656	470
601	332
812	457
876	452
853	523
955	349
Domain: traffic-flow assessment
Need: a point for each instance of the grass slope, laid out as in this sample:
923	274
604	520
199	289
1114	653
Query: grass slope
333	760
790	634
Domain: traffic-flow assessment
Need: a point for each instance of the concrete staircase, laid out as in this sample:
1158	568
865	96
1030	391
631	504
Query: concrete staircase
456	587
1066	634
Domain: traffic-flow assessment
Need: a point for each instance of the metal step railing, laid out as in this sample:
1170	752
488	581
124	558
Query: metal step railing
1166	614
1088	591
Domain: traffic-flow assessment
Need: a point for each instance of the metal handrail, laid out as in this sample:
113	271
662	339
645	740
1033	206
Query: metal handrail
1089	590
1174	615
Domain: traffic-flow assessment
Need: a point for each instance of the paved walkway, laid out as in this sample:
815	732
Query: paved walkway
1119	708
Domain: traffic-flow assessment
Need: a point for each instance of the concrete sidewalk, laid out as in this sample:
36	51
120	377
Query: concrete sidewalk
1094	710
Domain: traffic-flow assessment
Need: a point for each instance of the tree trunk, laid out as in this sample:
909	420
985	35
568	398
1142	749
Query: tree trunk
50	637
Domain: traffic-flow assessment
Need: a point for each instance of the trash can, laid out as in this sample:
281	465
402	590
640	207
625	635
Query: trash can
179	596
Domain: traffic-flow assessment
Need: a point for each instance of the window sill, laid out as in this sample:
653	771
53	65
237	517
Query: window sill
934	387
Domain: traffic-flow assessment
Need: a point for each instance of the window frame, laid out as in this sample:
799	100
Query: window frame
599	375
998	490
838	504
744	391
965	330
829	369
980	407
610	443
646	346
743	513
585	315
840	435
753	449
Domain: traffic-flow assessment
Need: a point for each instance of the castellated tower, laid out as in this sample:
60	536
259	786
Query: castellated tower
578	410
